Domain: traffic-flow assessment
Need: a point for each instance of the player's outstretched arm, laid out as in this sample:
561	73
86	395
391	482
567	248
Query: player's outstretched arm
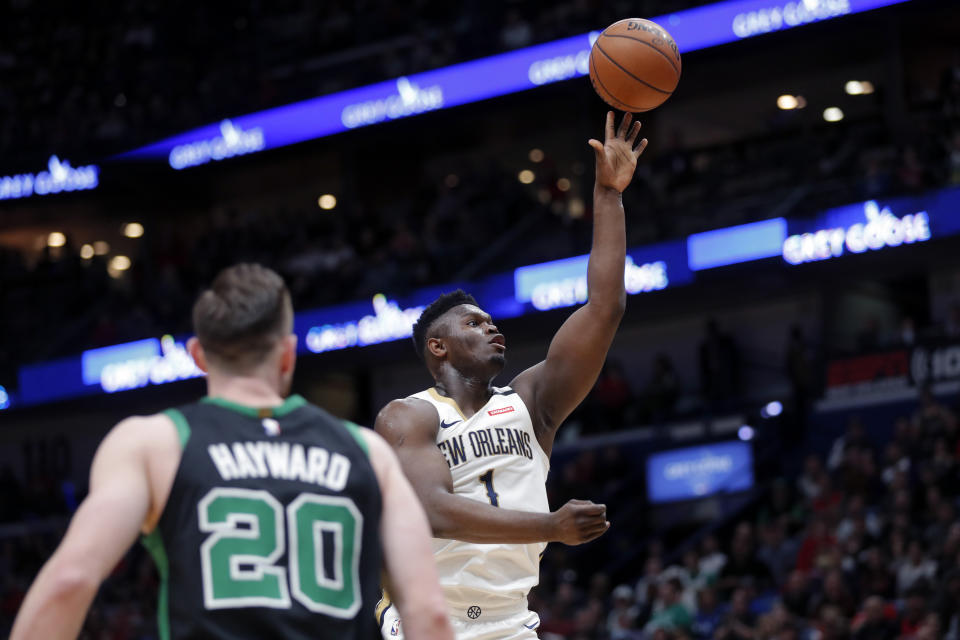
577	353
410	426
405	535
102	530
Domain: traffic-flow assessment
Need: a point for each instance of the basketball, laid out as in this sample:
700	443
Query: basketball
634	65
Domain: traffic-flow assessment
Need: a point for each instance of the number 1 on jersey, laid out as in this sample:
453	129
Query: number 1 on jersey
487	480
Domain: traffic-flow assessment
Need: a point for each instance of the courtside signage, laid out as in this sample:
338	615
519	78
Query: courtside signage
549	285
878	228
60	176
873	225
698	472
732	245
387	322
563	283
476	80
138	364
232	141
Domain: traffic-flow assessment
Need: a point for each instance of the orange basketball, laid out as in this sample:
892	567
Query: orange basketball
634	65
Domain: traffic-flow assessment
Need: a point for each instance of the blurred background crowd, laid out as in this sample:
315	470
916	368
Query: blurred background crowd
859	540
852	529
68	302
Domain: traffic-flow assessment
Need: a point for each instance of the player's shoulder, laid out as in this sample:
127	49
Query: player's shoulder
145	434
407	409
407	416
144	425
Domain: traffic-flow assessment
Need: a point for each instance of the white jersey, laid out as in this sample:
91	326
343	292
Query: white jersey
494	458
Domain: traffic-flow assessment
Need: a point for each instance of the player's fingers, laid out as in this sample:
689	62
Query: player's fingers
624	125
597	148
640	147
596	534
598	525
634	132
609	129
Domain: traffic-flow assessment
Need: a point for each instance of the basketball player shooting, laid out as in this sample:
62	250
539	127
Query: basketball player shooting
245	499
478	455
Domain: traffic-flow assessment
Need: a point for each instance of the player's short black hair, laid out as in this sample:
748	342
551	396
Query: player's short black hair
434	310
239	319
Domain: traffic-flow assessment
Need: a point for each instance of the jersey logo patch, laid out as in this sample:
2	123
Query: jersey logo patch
444	424
500	411
473	612
395	628
271	427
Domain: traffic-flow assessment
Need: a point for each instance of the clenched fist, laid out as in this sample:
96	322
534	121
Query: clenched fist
579	521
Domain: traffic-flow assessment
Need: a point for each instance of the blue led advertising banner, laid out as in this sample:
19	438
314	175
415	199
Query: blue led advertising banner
477	80
698	472
849	230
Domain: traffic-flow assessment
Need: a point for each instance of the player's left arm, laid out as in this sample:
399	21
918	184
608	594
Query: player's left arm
577	352
102	530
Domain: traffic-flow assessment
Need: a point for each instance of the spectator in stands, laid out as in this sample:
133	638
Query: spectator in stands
817	541
709	614
649	582
835	593
622	619
875	621
740	621
912	173
944	461
854	437
797	593
780	505
800	372
11	496
774	622
830	623
915	609
951	326
915	569
777	551
590	620
809	483
876	177
719	368
933	417
829	497
907	336
949	549
669	612
869	338
947	605
663	390
953	159
611	398
897	463
712	559
743	567
561	616
858	530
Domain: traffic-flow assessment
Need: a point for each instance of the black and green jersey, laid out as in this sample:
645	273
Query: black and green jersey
272	526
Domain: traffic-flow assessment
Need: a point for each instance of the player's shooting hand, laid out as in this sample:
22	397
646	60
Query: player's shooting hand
579	521
617	156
